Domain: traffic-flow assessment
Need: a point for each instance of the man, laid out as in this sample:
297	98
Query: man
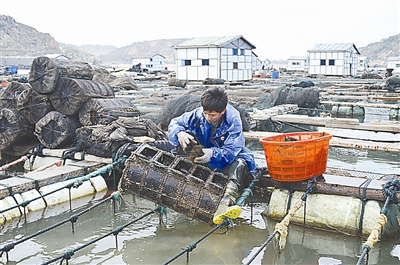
217	126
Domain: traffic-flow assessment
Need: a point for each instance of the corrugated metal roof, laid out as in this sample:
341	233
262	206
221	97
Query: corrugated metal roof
216	41
331	47
297	58
393	58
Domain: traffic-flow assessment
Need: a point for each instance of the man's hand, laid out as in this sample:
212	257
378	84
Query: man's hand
208	152
184	139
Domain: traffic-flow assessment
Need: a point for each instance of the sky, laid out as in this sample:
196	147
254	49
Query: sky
278	29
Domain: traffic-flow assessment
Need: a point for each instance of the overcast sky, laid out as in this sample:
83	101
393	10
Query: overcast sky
278	28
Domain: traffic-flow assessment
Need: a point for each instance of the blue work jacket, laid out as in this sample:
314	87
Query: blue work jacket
227	143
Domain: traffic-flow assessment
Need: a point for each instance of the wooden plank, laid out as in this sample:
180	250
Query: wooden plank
47	177
265	114
361	104
338	142
359	98
341	123
77	156
333	185
358	93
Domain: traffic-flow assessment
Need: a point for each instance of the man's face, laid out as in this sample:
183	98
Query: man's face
213	117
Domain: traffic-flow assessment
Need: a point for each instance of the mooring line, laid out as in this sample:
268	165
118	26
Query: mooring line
24	158
75	184
281	227
193	245
226	221
72	219
389	190
68	254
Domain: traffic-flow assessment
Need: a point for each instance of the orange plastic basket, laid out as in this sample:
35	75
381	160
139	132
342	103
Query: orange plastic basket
296	156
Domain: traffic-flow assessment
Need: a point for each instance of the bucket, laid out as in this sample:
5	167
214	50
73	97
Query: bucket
275	75
296	156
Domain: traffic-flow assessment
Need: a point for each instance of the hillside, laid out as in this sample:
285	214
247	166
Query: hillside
378	52
17	39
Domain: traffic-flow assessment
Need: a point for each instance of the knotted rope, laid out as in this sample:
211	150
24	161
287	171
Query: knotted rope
389	190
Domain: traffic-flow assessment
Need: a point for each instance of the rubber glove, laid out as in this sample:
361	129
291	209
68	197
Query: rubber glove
184	139
208	153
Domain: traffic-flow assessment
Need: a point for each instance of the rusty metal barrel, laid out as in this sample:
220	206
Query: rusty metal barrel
174	182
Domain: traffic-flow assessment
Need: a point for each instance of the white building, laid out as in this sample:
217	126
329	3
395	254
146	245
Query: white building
363	62
267	64
338	59
151	62
393	63
224	57
256	63
297	63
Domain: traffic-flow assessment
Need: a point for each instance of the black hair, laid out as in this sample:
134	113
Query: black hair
214	99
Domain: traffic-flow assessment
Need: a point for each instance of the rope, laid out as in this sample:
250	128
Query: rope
20	160
363	200
192	246
68	254
280	231
389	190
281	228
72	219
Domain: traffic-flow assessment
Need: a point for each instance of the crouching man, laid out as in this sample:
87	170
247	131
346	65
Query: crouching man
217	126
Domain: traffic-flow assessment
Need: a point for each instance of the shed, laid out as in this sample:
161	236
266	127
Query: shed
150	62
297	63
393	63
225	57
256	63
337	59
363	63
267	64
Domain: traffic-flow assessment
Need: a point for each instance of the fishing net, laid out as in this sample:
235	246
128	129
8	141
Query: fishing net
33	105
105	110
9	95
13	128
56	130
177	82
105	140
45	72
303	97
188	102
70	94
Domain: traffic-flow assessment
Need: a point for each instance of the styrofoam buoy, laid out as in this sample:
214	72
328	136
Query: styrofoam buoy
9	202
61	196
320	208
98	183
35	204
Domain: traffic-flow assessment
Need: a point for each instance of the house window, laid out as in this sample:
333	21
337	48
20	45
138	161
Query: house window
186	62
234	51
331	62
241	51
235	65
205	62
151	59
397	65
323	62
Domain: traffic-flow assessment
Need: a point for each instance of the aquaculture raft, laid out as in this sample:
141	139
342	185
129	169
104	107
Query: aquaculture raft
174	182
